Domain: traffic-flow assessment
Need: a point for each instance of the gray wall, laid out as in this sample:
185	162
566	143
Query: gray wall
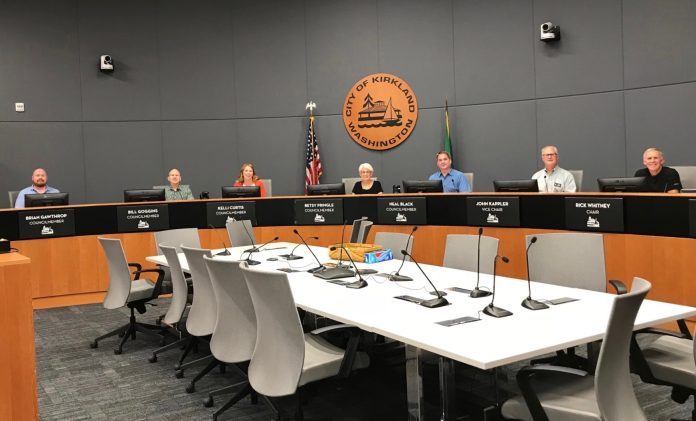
207	85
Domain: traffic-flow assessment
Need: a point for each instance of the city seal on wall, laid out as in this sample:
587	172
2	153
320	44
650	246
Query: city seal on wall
380	111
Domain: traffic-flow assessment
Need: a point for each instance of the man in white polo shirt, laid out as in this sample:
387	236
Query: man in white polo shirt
553	178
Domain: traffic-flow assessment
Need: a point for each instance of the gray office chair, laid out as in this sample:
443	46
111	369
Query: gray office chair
202	314
349	183
13	197
687	175
175	238
668	360
126	292
285	358
268	185
240	232
395	241
177	307
361	228
234	335
577	175
573	260
470	178
559	393
461	252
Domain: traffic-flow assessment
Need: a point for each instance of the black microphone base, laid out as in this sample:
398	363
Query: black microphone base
400	278
291	257
253	262
435	302
478	293
533	304
223	253
441	293
494	311
357	284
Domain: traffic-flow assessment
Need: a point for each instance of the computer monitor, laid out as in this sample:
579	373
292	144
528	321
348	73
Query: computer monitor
232	192
621	184
143	195
46	199
324	189
525	185
422	186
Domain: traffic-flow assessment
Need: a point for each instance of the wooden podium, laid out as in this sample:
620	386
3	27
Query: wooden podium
18	383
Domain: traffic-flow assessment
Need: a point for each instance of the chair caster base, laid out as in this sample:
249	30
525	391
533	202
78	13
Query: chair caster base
208	402
93	345
153	359
179	374
191	388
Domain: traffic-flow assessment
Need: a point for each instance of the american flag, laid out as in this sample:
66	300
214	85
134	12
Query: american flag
312	162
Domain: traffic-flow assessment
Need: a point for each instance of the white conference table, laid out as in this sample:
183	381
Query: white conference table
485	344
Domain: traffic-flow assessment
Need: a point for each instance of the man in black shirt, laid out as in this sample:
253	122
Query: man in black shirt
658	178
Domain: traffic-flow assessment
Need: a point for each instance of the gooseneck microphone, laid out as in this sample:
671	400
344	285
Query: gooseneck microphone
340	253
490	309
318	268
255	249
222	253
292	255
360	283
529	302
477	292
402	278
435	302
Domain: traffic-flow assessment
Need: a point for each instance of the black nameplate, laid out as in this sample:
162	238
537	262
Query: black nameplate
692	217
142	218
401	211
594	214
318	211
494	211
46	223
219	213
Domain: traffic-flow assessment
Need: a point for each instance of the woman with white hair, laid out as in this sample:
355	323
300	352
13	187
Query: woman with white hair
367	185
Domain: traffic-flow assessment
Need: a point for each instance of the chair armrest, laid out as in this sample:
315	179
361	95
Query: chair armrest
619	286
656	331
137	267
158	282
351	351
524	377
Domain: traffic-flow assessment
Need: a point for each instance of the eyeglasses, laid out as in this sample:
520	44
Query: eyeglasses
548	155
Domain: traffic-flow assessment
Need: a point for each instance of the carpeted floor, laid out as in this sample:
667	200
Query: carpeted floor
76	382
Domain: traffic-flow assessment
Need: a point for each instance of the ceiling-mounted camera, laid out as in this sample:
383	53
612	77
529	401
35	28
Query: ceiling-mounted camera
550	32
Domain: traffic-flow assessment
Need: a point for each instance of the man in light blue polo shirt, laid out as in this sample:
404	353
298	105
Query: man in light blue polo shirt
39	178
453	181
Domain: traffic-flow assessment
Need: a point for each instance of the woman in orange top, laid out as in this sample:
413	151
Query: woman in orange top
248	177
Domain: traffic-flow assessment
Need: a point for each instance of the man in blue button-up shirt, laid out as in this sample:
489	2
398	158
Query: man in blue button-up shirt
39	178
453	181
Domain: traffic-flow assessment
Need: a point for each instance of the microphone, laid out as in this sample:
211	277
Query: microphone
528	302
477	292
250	251
222	253
340	254
360	283
402	278
546	183
318	268
292	255
435	302
490	309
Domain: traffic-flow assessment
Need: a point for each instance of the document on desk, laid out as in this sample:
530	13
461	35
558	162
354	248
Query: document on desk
458	321
562	300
